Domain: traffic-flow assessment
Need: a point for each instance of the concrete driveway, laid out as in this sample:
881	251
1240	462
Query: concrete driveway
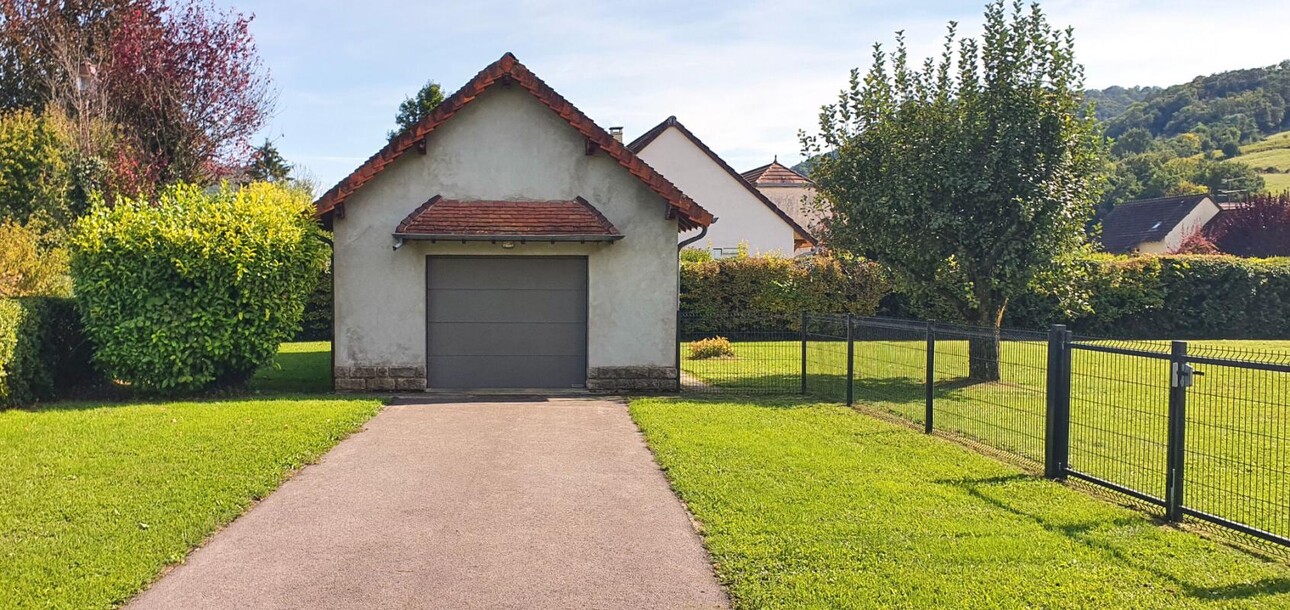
525	504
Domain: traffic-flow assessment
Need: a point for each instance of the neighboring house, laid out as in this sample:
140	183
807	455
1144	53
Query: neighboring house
1156	226
506	241
789	190
747	216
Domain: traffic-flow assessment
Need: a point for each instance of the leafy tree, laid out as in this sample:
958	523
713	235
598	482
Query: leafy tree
967	176
29	266
34	178
268	165
417	107
1257	227
182	79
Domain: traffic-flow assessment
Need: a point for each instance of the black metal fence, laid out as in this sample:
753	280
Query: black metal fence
1194	431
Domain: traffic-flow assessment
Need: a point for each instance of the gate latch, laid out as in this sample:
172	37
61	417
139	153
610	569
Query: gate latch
1184	375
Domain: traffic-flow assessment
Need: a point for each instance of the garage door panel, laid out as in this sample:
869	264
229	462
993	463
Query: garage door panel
506	322
513	273
505	372
483	339
494	305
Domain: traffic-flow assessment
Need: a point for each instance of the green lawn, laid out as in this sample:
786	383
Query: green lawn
1273	151
1238	432
97	498
819	506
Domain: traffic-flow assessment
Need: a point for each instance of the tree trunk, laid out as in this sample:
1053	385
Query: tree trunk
983	356
983	349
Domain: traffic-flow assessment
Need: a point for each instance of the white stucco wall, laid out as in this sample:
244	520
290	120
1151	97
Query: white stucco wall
741	216
1194	221
504	146
797	201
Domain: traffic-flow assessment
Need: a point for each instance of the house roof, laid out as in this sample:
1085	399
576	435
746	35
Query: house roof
450	218
775	173
646	138
504	71
1135	222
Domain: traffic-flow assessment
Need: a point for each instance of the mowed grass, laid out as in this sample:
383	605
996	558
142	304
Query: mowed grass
818	506
1274	152
1238	420
97	498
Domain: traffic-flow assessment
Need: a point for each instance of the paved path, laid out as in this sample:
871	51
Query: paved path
531	504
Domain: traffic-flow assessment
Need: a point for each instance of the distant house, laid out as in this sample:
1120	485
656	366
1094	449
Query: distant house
1156	226
747	216
791	192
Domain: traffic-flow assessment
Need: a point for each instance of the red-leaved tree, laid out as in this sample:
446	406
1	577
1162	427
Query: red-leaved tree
181	81
1258	227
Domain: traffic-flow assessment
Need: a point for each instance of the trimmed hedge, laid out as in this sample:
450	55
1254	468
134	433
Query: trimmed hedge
767	286
43	351
1210	297
198	288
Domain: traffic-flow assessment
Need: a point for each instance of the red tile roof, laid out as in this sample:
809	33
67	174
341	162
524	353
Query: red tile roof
775	173
508	69
646	138
448	218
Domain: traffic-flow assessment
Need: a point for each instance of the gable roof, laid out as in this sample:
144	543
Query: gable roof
775	173
1145	220
508	70
646	138
449	218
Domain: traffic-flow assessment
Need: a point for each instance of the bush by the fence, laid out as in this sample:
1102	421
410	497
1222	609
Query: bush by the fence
1215	297
197	288
780	287
43	352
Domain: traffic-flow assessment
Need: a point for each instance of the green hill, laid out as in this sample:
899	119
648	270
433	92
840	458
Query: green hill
1271	158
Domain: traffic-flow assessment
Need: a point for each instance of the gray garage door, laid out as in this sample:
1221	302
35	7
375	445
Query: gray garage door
506	322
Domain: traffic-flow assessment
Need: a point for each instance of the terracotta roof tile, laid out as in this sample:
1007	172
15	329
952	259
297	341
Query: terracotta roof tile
448	217
775	173
508	69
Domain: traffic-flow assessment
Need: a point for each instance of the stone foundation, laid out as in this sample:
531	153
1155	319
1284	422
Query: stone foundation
631	379
380	378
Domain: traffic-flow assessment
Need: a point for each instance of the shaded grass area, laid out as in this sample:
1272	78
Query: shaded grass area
299	367
97	498
807	505
1238	421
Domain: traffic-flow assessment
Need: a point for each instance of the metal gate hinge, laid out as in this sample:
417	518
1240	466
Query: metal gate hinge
1183	375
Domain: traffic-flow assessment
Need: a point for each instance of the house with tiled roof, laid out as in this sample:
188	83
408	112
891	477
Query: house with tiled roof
749	219
506	241
789	190
1156	226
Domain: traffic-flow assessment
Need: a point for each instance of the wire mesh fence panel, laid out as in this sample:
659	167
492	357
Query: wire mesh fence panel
990	387
891	366
1237	440
764	355
826	356
1119	416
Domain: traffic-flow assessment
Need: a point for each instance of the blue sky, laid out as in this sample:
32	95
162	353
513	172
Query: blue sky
744	76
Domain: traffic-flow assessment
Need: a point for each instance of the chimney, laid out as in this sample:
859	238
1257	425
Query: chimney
617	133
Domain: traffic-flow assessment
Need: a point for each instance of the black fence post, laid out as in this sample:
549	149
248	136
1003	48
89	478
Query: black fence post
1057	418
930	381
803	353
1180	376
851	361
678	349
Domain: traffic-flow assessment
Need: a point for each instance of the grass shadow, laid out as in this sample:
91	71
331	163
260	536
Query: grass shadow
1084	534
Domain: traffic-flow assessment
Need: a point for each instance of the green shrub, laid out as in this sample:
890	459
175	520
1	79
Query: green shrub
43	353
758	287
34	176
196	289
692	254
29	267
316	324
715	347
1213	297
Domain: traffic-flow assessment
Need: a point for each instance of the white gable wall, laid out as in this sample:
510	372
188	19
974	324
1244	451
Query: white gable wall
504	146
741	217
